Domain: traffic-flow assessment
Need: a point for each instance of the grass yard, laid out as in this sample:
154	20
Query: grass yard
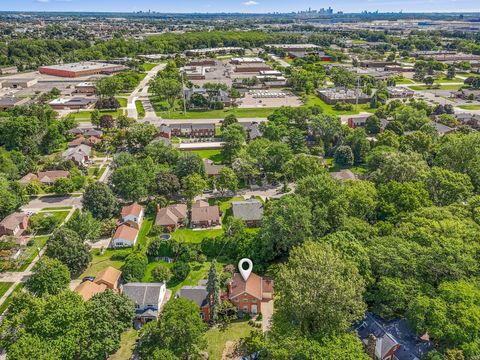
9	299
215	155
127	345
470	107
140	108
59	215
31	252
122	101
144	230
100	262
216	338
57	208
4	286
404	81
148	66
85	115
195	237
441	87
313	100
445	80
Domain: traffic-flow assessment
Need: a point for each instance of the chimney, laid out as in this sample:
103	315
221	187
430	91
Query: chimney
371	344
158	208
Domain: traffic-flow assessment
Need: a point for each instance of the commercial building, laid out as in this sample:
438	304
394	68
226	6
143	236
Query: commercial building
247	60
11	102
219	50
85	88
6	70
80	69
252	68
336	95
18	83
75	103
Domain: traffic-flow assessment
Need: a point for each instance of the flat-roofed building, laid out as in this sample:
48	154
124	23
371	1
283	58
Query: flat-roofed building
80	69
11	102
72	103
336	95
18	83
85	88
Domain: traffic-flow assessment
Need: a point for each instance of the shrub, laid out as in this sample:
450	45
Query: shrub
161	273
134	267
180	270
343	106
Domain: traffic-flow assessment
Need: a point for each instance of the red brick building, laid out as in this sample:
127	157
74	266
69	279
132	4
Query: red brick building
249	295
80	69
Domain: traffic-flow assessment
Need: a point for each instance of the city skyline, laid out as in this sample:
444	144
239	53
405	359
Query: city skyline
243	6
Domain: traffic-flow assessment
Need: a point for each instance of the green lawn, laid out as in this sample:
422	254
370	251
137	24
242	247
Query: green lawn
441	87
148	66
214	155
404	81
9	299
144	230
4	286
127	345
60	215
100	262
85	115
314	100
217	338
122	101
470	107
57	208
445	80
140	108
195	237
31	252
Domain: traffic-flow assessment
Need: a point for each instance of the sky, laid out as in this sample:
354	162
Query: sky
247	6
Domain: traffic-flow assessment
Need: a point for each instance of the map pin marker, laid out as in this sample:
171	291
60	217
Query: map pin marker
245	273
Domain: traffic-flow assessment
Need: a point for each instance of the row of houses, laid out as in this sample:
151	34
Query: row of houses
202	130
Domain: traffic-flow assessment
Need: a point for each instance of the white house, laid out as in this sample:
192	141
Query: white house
148	299
125	236
133	215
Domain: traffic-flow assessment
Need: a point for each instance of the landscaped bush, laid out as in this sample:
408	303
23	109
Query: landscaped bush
343	106
107	104
43	223
134	267
120	255
180	270
161	273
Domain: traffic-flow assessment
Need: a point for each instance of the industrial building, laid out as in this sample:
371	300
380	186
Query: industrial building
10	102
18	83
80	69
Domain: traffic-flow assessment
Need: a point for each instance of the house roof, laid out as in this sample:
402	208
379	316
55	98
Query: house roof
77	152
211	168
343	175
134	209
125	232
89	289
199	294
27	178
391	333
110	275
253	286
13	220
171	215
202	212
51	176
143	293
77	141
248	210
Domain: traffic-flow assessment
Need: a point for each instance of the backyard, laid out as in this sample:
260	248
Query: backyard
217	338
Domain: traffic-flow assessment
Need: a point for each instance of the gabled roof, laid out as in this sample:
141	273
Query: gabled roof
51	176
211	168
253	286
125	232
110	275
171	215
345	174
135	209
89	289
27	178
199	294
143	293
13	220
248	210
205	213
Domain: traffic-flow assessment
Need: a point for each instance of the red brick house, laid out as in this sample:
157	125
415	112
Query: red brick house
14	224
248	295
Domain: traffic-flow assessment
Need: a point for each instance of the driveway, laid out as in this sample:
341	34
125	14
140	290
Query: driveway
267	313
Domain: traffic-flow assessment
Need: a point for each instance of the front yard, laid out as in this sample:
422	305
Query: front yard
217	339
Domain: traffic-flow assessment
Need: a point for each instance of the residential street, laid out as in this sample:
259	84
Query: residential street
141	93
50	202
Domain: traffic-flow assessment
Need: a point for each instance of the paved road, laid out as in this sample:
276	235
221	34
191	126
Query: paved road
280	61
50	202
141	93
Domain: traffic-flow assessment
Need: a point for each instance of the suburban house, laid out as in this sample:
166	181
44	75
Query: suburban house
125	236
203	130
79	154
45	177
108	278
148	299
344	175
171	217
14	224
391	340
251	211
199	295
132	215
249	295
211	168
203	215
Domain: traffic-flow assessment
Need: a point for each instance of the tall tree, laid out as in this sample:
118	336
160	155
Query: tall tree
85	225
49	277
193	185
213	288
100	201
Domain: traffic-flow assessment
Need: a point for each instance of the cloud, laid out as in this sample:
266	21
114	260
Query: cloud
250	3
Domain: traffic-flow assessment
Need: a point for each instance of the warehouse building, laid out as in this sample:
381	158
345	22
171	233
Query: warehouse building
336	95
80	69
